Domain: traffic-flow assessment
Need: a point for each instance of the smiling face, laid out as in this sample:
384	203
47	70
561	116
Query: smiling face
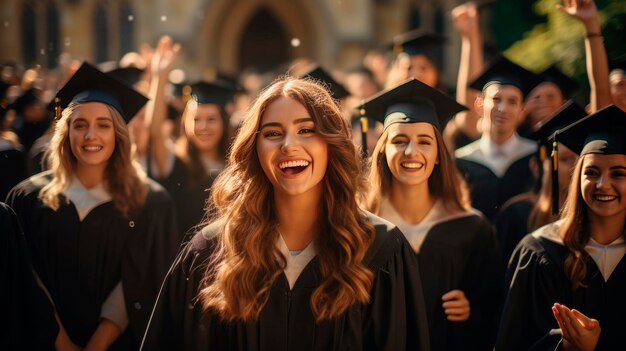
92	135
411	152
293	156
543	101
501	109
603	184
205	128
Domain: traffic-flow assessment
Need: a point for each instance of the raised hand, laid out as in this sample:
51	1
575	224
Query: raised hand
456	306
163	57
583	10
465	18
579	331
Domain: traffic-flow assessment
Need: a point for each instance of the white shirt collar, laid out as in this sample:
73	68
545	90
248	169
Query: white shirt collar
490	149
497	158
85	199
416	233
295	263
606	257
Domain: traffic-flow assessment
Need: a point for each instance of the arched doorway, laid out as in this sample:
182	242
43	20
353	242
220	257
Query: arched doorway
264	43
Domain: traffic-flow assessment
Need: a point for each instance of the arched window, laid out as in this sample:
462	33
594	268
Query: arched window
264	43
52	35
29	34
127	28
101	33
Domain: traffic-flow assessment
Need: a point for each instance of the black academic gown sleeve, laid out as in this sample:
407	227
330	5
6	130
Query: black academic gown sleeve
13	170
190	196
461	254
393	320
29	315
397	310
511	226
536	281
148	257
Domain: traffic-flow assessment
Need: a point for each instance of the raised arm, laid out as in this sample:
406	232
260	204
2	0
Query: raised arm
597	64
467	23
156	109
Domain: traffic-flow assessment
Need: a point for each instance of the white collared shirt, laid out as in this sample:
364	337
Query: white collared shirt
498	158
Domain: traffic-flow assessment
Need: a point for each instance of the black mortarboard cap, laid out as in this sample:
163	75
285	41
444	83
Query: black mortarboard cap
319	74
88	84
618	63
567	85
215	92
502	71
127	75
411	102
603	132
419	42
27	98
567	114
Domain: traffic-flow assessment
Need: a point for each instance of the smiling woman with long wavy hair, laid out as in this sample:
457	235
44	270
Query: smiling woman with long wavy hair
290	261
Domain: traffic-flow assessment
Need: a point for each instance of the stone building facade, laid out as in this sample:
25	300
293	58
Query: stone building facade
224	34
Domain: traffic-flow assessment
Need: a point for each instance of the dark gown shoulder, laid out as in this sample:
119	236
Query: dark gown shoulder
536	280
460	253
512	224
27	310
488	191
393	320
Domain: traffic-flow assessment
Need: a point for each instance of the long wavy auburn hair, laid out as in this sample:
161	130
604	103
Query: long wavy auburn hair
247	262
445	182
125	181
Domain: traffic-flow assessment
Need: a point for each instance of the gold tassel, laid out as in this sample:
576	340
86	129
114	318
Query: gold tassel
186	94
364	124
57	108
554	155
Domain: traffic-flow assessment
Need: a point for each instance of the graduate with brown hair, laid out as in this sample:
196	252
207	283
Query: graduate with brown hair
289	261
415	185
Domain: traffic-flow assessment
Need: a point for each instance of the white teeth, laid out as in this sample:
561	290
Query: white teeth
298	163
605	197
92	148
412	165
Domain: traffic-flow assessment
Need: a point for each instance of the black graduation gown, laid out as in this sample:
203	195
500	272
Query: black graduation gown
537	280
28	314
488	191
189	195
512	225
394	319
12	170
80	262
461	254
